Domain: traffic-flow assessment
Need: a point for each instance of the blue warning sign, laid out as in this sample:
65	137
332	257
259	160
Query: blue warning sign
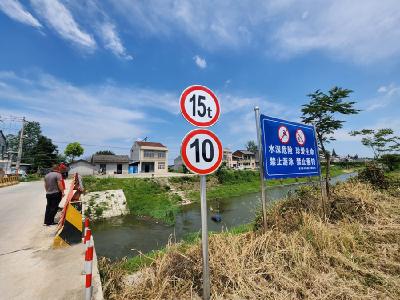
289	149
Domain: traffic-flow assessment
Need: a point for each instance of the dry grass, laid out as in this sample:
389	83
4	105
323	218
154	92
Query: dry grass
353	255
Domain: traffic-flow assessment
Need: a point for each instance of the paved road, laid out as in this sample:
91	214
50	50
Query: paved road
29	268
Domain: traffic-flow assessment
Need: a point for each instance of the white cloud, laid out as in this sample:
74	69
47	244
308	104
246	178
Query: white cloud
103	114
361	31
16	11
387	95
112	41
62	21
200	62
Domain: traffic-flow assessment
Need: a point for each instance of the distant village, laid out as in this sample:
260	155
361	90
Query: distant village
147	157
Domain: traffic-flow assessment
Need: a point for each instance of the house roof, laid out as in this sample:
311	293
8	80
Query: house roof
80	160
245	152
151	144
100	158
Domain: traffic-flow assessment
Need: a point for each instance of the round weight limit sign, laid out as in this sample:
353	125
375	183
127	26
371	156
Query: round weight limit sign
201	151
199	106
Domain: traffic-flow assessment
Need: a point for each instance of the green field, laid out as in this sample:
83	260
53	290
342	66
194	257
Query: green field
144	197
238	183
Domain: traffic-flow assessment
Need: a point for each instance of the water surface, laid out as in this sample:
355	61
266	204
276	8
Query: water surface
125	236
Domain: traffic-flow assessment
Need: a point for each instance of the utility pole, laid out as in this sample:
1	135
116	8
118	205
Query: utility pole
21	138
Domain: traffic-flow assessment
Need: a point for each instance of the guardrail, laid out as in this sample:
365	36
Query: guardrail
9	180
70	225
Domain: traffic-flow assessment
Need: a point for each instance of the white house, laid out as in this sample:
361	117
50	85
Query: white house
110	164
178	164
149	157
82	167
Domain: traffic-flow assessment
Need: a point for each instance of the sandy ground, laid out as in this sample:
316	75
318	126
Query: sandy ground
30	268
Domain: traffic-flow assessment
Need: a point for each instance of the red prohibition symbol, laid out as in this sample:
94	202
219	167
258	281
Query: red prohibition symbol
300	137
283	134
199	106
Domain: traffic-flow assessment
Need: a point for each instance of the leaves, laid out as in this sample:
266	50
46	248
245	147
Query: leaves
73	150
380	140
322	109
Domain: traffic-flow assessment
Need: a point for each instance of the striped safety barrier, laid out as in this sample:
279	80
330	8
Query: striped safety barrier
70	225
9	180
88	269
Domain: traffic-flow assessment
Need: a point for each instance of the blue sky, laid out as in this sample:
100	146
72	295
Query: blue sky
106	73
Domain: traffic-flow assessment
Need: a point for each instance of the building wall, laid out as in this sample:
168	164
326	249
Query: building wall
82	168
3	147
178	164
158	161
111	168
135	152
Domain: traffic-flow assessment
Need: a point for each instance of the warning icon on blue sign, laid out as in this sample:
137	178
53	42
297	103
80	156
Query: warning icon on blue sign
289	149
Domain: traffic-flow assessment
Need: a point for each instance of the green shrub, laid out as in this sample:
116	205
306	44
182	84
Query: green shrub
374	175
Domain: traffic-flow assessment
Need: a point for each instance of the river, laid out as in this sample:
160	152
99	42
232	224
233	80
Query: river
124	236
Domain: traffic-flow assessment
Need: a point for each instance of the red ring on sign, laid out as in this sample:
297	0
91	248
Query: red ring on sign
192	121
303	135
287	130
185	159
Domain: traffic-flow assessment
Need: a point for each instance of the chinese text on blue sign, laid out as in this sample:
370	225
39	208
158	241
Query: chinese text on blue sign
289	149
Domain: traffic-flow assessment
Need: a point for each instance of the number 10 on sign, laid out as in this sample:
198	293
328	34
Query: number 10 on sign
201	151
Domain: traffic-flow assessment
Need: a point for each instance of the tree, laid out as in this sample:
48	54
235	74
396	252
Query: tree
322	111
380	140
46	153
251	146
334	153
392	161
105	152
73	150
32	133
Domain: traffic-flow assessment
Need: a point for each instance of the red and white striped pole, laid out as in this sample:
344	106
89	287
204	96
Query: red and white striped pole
85	229
88	269
87	238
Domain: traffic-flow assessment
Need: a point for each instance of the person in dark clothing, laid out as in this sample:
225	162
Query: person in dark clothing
53	183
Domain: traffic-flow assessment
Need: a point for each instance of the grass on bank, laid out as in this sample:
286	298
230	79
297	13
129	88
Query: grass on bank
144	197
229	183
353	254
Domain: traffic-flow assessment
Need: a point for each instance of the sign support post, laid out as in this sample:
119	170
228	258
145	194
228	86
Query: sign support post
321	179
261	162
204	238
202	154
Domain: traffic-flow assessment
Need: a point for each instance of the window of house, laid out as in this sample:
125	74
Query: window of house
148	153
161	165
103	167
161	154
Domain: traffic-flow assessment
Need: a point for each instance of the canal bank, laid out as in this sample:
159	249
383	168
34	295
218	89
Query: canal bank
129	235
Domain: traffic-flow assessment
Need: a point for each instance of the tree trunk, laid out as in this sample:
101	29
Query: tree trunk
327	172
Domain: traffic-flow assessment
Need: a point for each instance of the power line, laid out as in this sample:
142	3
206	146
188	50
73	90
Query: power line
88	145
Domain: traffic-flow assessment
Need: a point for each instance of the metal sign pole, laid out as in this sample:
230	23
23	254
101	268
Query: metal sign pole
321	183
204	238
261	166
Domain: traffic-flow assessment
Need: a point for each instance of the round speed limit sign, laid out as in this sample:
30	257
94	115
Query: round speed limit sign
201	151
199	106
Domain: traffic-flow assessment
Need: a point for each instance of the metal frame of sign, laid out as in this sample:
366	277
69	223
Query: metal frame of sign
188	117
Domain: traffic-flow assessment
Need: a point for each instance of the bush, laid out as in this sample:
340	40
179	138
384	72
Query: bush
391	161
374	175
